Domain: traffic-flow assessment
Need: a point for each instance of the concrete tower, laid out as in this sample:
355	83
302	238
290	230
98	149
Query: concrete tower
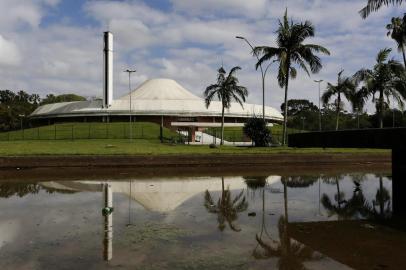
108	70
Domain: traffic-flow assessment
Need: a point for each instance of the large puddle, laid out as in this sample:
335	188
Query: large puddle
186	223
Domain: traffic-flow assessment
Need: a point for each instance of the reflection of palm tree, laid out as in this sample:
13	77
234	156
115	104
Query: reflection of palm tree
343	208
291	253
227	209
381	207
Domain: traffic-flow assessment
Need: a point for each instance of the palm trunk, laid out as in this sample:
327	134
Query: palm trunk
222	126
404	56
285	118
358	118
381	202
338	110
338	194
380	113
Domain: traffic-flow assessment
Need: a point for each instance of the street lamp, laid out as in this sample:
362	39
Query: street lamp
303	122
263	73
319	82
129	71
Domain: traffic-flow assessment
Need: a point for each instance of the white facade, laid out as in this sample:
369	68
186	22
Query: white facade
155	97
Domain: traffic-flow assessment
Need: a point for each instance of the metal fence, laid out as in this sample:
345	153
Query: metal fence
79	131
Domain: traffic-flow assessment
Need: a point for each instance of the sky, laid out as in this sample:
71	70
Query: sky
55	46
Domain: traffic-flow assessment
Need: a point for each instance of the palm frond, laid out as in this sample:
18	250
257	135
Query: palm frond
374	5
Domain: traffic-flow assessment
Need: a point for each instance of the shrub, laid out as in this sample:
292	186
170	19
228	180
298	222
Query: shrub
256	129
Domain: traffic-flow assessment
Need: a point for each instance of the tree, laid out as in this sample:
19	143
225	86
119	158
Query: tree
375	5
256	129
357	100
61	98
296	106
226	89
291	51
227	209
397	31
345	86
387	78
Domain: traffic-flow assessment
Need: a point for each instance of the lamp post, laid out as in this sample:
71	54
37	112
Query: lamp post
129	71
319	82
263	73
303	122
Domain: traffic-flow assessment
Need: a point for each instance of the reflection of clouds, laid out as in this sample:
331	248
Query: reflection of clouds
8	231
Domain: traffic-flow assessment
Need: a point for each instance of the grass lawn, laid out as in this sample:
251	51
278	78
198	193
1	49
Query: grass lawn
145	147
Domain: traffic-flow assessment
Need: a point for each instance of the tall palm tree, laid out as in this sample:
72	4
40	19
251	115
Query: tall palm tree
345	86
357	100
291	51
386	78
227	209
374	5
226	89
397	31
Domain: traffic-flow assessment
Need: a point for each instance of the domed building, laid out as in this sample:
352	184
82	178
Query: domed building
162	101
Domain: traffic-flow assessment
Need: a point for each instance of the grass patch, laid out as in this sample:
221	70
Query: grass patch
148	147
77	131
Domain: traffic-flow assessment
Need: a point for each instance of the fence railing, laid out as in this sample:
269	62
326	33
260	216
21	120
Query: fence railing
79	131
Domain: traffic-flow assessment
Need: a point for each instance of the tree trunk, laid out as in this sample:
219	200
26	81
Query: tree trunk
404	56
380	113
358	118
285	118
338	110
222	126
263	97
381	202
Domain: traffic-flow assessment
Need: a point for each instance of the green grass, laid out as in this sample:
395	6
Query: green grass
236	133
121	130
146	147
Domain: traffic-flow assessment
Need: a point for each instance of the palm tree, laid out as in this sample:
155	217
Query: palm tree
226	89
357	100
227	209
345	86
397	31
387	78
289	52
374	5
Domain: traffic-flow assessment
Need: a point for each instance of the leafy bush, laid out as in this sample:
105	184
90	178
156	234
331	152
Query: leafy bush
256	129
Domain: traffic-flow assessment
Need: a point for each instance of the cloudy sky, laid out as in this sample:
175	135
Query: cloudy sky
55	46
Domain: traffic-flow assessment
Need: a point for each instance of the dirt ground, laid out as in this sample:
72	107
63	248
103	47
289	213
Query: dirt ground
122	167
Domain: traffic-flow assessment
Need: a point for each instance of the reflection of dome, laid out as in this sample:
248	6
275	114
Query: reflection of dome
161	195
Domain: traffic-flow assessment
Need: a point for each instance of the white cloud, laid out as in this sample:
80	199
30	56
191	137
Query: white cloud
9	52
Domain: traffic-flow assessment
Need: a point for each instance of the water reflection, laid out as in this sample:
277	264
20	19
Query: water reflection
168	218
226	208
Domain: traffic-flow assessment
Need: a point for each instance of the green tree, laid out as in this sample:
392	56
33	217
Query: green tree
296	106
357	100
291	51
375	5
49	99
397	31
256	129
344	87
226	90
386	78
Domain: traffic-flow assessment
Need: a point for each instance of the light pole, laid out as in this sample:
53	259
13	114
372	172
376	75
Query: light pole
303	122
129	71
319	82
263	73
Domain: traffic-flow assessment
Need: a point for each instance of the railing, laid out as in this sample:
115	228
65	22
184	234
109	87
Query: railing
77	131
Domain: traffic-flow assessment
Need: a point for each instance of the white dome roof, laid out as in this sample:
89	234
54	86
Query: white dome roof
160	89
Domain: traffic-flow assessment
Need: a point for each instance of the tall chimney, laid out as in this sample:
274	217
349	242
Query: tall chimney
108	70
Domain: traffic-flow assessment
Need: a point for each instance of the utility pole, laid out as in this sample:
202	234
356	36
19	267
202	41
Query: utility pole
129	71
319	82
263	73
